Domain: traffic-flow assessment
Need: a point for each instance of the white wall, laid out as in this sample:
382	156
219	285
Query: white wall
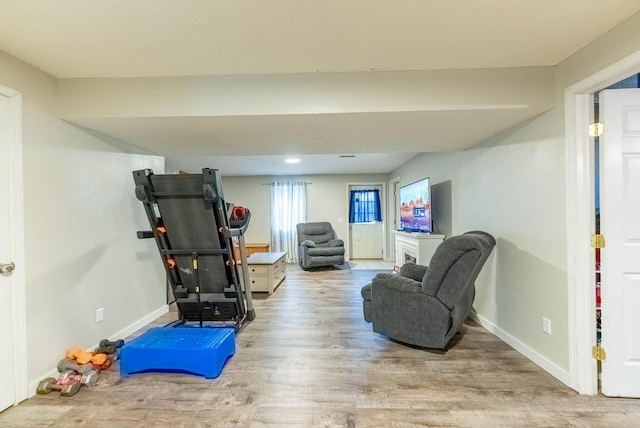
307	93
327	200
81	218
250	192
513	189
36	87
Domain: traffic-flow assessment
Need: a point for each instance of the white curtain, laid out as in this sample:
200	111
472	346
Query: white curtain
288	208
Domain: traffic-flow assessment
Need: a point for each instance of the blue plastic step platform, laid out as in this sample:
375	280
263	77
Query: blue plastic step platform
201	351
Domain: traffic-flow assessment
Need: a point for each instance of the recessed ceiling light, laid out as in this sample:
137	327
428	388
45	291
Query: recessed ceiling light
292	160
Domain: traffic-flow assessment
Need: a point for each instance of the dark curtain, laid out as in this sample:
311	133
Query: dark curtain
365	206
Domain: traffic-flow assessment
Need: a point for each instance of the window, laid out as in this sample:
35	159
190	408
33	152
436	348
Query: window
288	208
364	206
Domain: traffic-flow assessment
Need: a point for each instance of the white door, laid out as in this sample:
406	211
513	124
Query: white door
366	240
12	379
620	225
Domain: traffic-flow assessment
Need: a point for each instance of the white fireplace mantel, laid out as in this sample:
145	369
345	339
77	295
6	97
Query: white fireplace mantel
415	247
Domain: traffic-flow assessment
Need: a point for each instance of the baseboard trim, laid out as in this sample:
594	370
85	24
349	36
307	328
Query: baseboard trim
129	330
549	366
125	332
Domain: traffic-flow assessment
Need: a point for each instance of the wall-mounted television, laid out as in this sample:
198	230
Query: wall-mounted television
415	207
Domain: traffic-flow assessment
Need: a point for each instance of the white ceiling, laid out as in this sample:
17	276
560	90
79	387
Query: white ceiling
149	38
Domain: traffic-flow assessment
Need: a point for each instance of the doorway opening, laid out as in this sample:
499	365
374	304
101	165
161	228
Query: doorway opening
627	83
367	223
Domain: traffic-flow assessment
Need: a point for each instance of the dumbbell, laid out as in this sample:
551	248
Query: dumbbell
87	379
50	384
110	349
105	343
103	361
67	364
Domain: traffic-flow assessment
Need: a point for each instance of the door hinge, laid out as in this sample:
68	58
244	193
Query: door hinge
598	353
597	241
596	129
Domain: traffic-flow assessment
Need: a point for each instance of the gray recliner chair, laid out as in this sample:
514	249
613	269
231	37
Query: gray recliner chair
426	306
318	245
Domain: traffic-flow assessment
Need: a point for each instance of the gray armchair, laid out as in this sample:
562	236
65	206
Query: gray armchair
318	245
426	306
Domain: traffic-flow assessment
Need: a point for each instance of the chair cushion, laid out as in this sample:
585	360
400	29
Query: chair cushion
318	232
457	279
447	257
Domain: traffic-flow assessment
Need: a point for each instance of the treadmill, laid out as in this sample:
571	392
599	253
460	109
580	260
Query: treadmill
194	228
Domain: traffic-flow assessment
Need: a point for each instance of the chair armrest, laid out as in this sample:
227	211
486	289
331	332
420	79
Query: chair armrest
308	243
413	271
336	243
396	282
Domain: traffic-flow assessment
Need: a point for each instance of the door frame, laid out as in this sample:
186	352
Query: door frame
16	193
394	214
583	369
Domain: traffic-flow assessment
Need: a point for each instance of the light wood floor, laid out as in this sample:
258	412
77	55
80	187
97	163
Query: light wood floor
371	264
310	360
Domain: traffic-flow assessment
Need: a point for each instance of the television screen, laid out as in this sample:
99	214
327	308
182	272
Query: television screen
415	207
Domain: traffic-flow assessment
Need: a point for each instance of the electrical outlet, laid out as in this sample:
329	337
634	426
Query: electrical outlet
99	314
546	325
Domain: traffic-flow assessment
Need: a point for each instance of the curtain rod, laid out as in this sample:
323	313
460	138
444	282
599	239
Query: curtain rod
276	182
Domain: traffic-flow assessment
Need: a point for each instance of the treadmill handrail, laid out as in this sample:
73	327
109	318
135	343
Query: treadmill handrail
237	231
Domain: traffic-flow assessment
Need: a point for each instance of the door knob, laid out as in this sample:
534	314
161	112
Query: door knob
6	269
